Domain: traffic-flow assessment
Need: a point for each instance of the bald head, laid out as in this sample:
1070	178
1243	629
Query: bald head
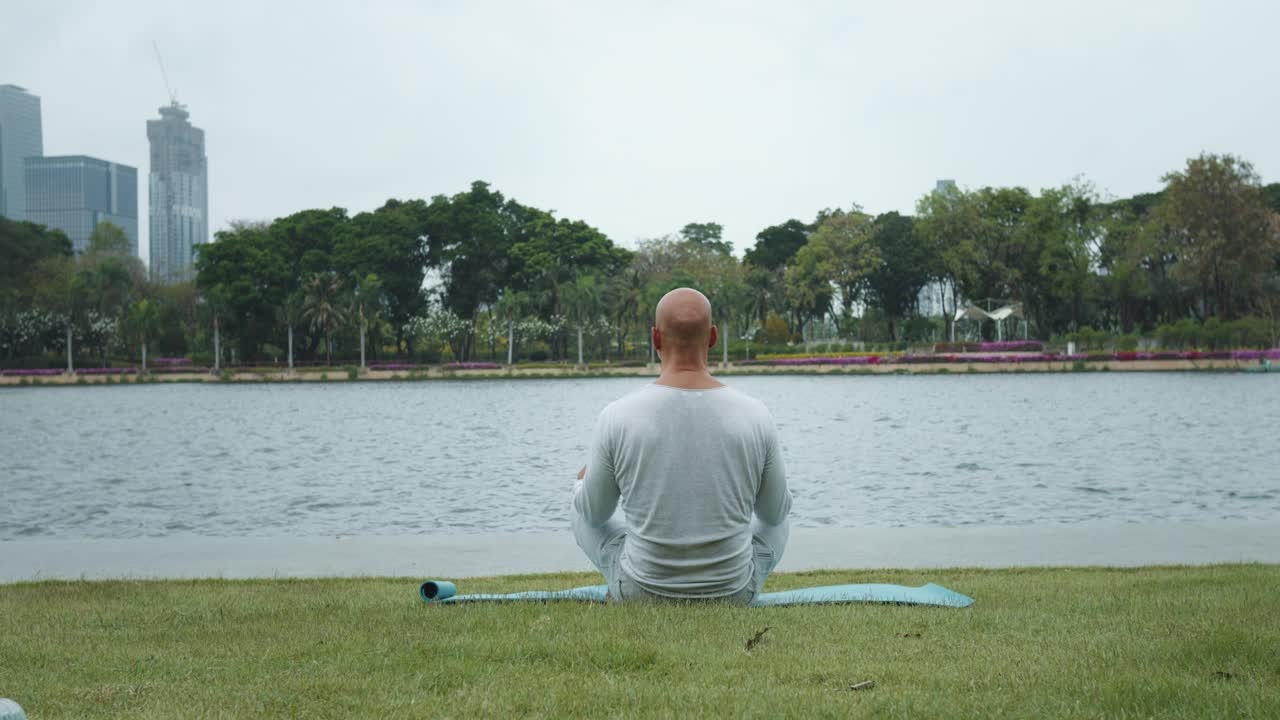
684	319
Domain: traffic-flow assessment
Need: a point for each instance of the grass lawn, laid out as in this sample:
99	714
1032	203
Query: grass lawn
1115	643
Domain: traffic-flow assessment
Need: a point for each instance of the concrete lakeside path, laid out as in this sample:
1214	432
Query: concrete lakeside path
474	555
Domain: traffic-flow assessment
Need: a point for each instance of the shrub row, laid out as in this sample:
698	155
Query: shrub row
1273	354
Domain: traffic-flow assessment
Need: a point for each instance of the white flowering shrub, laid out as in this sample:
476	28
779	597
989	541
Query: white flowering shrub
438	326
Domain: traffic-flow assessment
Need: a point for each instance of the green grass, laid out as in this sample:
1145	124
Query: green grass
1113	643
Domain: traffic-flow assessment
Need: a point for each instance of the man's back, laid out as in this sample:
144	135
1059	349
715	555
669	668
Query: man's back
691	466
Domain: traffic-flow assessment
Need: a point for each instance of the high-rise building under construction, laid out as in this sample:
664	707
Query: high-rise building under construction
179	194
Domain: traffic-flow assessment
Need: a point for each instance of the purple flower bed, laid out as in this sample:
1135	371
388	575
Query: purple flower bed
1012	346
1272	354
1038	357
171	369
857	360
393	366
106	371
1189	355
33	371
926	359
471	366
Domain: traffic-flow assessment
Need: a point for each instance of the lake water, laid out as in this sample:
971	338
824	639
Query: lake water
480	456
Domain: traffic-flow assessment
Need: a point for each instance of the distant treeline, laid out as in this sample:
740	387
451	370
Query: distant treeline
457	275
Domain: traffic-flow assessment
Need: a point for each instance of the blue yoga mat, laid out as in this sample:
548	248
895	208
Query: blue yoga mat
442	592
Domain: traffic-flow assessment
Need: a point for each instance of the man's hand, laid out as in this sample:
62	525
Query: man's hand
583	472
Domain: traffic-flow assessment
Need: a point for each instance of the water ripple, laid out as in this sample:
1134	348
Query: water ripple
485	456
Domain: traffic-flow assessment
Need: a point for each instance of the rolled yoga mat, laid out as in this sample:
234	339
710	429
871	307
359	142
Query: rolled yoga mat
440	592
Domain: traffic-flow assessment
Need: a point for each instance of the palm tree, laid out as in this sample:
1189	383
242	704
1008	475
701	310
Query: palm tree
289	313
322	309
619	298
581	296
142	321
216	301
511	307
366	298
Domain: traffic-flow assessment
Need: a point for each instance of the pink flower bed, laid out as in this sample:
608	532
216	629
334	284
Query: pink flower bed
32	371
841	360
1012	346
106	371
1272	354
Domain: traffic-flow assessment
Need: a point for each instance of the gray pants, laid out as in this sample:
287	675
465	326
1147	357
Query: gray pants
603	546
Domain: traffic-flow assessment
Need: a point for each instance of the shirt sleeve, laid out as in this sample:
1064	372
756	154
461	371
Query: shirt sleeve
773	499
596	496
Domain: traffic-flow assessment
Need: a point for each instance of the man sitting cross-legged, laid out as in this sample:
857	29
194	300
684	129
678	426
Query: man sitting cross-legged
697	467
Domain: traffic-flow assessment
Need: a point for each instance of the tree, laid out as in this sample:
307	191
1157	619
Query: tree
554	253
845	246
22	245
734	304
581	298
322	307
59	290
367	299
215	301
1271	196
143	323
511	308
707	235
179	308
391	243
469	238
24	326
1128	272
777	244
307	241
1221	233
1061	284
108	238
809	285
621	298
896	283
949	221
251	264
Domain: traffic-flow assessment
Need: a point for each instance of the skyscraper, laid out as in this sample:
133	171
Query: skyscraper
20	138
74	193
179	193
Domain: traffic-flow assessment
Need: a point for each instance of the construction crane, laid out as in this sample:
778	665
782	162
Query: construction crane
173	95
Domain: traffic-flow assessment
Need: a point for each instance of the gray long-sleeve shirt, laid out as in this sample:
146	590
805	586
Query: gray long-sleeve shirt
690	468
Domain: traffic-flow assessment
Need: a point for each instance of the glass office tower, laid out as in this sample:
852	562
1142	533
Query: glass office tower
179	194
74	193
20	138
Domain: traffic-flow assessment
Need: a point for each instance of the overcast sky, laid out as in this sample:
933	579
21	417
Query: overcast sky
639	117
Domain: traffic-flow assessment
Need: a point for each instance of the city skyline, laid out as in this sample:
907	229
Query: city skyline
681	114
